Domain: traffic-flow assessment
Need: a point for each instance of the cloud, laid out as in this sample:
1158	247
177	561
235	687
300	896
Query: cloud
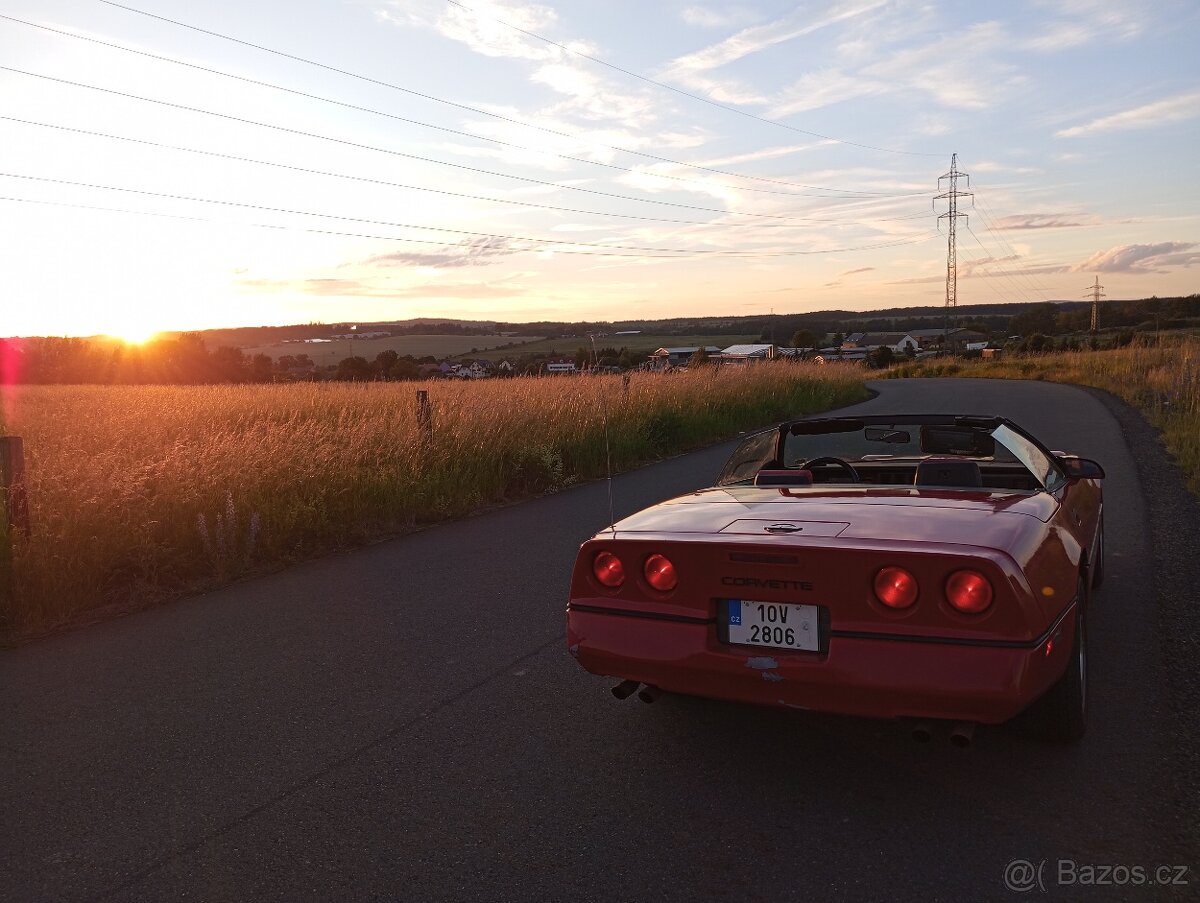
853	272
312	286
1160	112
587	94
489	28
691	70
956	70
985	267
1044	221
1141	259
482	28
823	88
359	288
706	17
468	252
997	166
751	40
1083	21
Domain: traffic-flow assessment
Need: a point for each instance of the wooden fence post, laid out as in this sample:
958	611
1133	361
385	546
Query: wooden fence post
424	414
12	482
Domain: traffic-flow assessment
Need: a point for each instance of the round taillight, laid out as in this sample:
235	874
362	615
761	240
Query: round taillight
660	573
895	587
608	569
969	592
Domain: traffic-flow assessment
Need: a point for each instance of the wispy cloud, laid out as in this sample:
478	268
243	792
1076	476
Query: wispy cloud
323	287
998	166
691	69
1080	22
490	28
484	30
823	88
468	252
1141	259
986	267
366	289
959	70
707	17
853	272
1044	221
1151	115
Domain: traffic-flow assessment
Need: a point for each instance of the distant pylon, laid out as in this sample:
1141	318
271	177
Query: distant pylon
952	195
1094	291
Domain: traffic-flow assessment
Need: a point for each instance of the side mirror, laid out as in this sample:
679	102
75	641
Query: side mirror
1082	468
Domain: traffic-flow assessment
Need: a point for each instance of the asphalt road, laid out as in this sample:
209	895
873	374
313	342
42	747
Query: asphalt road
404	722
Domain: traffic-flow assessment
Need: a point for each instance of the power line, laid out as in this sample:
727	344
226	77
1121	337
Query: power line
447	192
371	222
990	222
983	264
1025	287
683	255
428	125
396	153
680	91
476	110
991	258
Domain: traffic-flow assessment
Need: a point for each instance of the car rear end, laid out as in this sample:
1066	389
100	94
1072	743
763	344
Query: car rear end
834	622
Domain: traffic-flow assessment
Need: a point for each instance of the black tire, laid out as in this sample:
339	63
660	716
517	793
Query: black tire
1061	714
1098	557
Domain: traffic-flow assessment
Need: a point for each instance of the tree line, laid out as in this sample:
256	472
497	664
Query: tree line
181	360
187	360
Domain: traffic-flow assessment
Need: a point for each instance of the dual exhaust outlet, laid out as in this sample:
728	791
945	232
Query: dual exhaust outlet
962	733
627	688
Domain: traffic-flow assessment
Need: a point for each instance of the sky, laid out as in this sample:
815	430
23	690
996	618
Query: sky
171	165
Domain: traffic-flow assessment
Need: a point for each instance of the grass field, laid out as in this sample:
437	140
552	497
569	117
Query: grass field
440	346
639	345
142	492
1161	381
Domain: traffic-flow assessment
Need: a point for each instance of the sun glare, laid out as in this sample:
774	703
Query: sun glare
134	335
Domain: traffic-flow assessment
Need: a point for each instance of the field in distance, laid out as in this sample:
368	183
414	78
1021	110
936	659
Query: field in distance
641	344
439	346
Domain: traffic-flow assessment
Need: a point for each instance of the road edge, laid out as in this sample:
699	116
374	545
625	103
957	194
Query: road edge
1173	519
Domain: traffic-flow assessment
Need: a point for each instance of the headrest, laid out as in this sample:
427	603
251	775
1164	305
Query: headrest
948	472
783	478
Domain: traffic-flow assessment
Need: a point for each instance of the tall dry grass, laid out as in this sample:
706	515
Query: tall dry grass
1161	380
141	492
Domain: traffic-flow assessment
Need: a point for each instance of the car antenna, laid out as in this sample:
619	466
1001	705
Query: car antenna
612	517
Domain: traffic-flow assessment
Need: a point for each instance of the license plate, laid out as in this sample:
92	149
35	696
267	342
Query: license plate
775	624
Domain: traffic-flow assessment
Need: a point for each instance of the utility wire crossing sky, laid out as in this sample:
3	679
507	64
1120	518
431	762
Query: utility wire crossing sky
174	166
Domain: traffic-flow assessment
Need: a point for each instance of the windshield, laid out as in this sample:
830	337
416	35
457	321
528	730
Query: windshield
892	452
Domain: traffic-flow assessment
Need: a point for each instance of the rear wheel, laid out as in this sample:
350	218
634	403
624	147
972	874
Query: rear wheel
1061	715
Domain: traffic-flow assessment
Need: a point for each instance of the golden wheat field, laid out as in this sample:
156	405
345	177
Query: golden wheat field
141	492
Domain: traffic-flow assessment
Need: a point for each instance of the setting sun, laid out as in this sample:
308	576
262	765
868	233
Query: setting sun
134	335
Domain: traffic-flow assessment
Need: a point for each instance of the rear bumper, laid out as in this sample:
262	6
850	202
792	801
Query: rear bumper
867	676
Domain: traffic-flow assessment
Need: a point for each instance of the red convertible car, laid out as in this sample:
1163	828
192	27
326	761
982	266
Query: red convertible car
932	567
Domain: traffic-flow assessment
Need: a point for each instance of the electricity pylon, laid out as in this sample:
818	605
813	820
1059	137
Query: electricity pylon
952	195
1094	291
